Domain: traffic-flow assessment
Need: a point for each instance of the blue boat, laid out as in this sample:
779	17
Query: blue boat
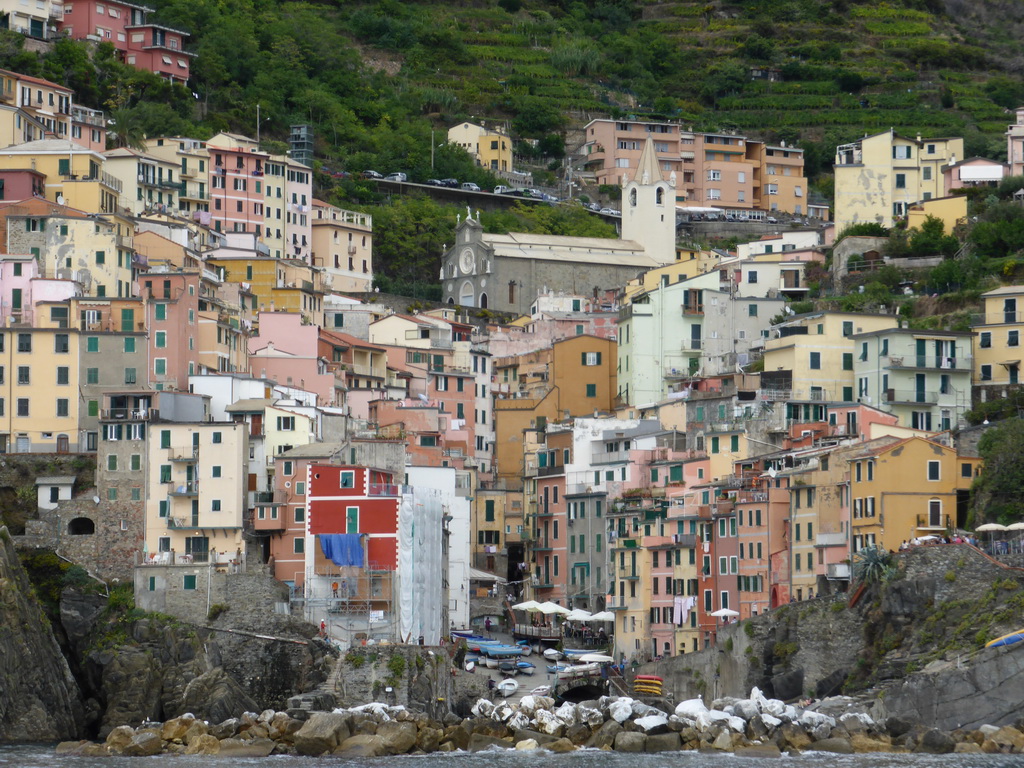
493	654
525	667
1010	639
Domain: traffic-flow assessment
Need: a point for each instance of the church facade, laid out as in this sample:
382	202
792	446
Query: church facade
507	272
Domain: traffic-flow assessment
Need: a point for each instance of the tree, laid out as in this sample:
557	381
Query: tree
872	565
995	495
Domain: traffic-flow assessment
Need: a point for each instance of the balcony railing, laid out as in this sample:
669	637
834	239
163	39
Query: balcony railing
184	454
128	414
383	489
940	362
933	522
269	497
921	396
183	489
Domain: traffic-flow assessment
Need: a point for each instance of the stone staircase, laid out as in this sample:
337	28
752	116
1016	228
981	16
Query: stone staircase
323	699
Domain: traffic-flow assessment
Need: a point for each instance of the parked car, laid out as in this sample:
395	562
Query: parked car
711	217
372	175
433	183
453	183
609	212
396	176
594	207
469	186
771	220
502	190
743	217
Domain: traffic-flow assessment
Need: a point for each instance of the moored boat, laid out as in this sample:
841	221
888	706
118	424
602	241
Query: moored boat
1010	639
525	667
507	687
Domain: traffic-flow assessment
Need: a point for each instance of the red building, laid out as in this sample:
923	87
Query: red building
347	500
140	43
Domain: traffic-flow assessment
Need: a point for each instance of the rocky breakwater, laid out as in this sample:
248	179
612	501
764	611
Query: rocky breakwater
752	727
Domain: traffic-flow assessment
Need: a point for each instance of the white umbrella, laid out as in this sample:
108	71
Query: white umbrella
596	658
529	605
602	616
549	607
991	527
578	615
1015	526
723	613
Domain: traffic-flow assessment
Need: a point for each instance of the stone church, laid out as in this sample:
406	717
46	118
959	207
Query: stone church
507	272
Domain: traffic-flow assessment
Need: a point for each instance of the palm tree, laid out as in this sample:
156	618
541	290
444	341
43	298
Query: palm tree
872	565
124	127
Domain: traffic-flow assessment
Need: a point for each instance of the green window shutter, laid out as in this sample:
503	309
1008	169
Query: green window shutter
489	511
165	438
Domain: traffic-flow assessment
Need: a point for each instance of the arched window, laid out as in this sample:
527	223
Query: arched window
81	526
467	294
659	195
483	301
632	197
451	300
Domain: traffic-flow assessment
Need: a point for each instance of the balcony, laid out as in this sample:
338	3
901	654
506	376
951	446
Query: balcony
911	396
838	571
269	497
183	523
548	471
830	540
183	489
268	520
933	522
542	546
187	455
383	489
691	345
128	414
931	362
693	310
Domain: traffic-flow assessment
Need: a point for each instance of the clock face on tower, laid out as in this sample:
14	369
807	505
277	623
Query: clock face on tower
466	261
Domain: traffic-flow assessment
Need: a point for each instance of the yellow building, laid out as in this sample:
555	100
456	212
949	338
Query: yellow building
573	377
997	346
147	181
491	149
283	285
690	262
195	488
950	210
811	357
343	247
878	178
75	176
39	404
94	251
907	489
191	159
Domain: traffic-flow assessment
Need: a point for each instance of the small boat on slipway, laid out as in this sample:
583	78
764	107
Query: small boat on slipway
507	687
1010	639
493	655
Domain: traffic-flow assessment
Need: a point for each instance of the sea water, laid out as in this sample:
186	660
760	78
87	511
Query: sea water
42	756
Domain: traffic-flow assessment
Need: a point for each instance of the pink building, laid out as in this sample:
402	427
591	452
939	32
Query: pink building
237	171
288	352
140	43
172	309
975	172
21	184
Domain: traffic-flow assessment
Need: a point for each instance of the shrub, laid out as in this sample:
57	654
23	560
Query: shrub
215	611
950	576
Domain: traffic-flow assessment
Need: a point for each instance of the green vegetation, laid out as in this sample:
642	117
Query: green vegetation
995	494
216	610
873	565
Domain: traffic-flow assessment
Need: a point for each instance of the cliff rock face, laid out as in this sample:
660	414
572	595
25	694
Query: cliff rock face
949	696
39	698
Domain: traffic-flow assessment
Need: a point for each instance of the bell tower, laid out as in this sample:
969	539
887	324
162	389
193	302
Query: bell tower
649	208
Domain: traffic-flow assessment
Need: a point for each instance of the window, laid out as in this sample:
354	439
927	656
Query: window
215	471
300	489
62	407
160	366
901	181
24	342
160	313
752	277
23	374
847	361
161	339
298	545
136	462
1013	338
216	438
933	470
23	406
591	390
215	505
986	373
815	361
129	375
189	581
60	343
286	423
63	373
590	358
347	479
986	340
